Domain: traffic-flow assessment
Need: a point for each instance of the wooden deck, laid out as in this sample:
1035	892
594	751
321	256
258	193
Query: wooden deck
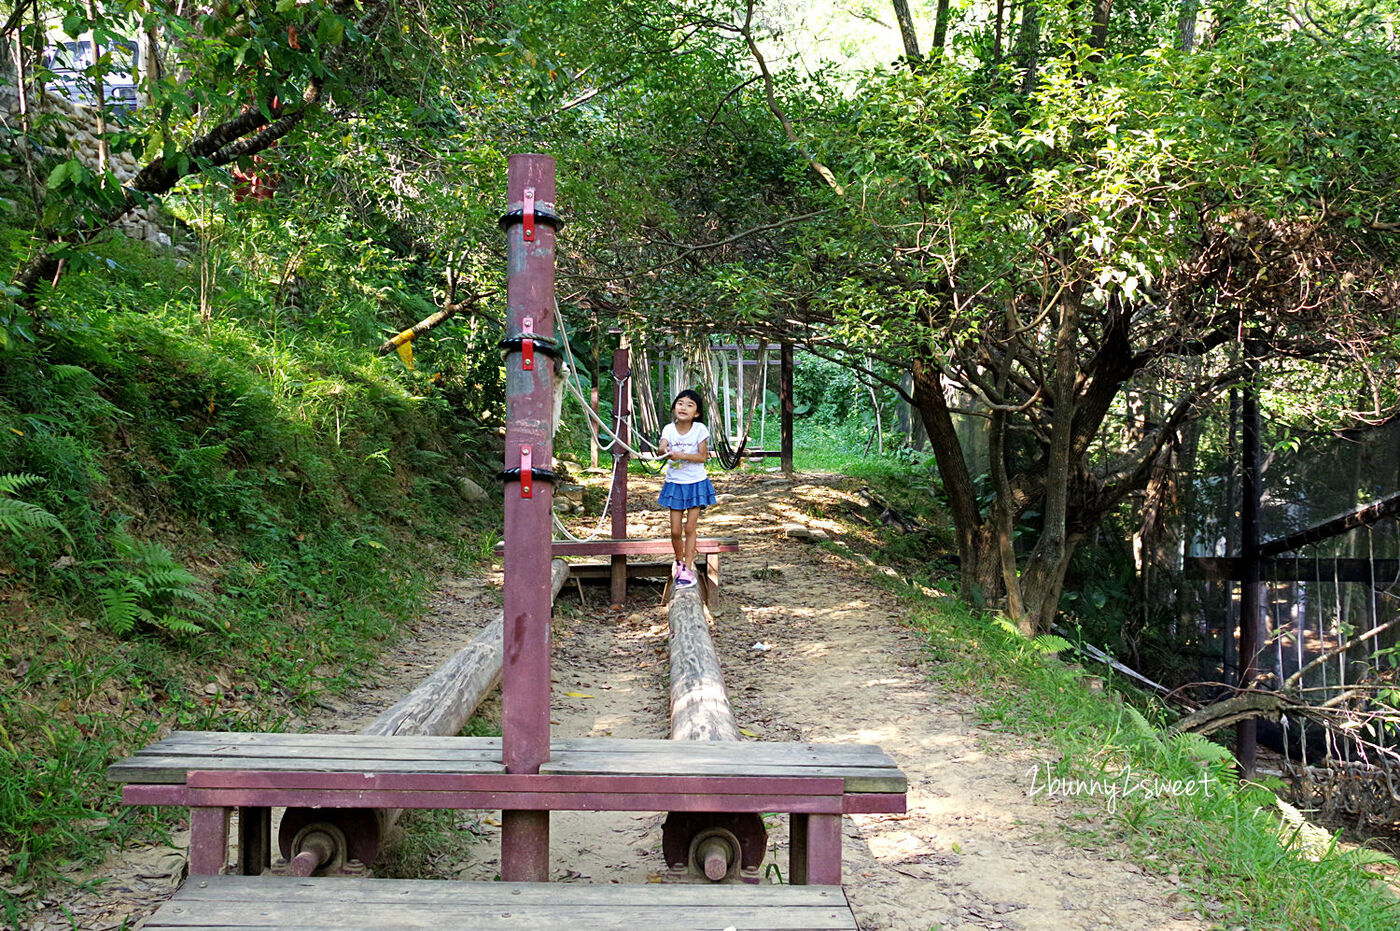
239	902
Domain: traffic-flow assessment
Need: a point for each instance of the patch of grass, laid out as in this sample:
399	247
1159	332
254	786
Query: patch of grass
438	844
818	448
1230	841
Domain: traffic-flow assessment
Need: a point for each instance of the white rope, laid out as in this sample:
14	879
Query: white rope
570	380
607	505
577	389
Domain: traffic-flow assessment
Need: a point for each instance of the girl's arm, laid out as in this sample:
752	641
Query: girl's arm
700	455
664	450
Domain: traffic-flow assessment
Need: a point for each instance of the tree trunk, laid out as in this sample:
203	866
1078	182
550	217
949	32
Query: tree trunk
100	88
1186	25
906	31
997	32
1003	522
1028	44
940	26
1045	569
980	567
1098	32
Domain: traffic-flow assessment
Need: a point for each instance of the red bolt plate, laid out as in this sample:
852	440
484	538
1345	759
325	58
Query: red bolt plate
527	489
527	214
527	345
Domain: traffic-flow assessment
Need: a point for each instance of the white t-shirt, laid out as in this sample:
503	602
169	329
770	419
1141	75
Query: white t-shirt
685	473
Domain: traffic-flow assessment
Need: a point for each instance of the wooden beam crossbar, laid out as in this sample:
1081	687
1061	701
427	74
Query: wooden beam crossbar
1383	572
1361	517
635	546
525	792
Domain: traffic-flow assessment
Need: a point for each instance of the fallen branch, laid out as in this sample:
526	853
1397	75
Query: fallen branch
1242	707
430	322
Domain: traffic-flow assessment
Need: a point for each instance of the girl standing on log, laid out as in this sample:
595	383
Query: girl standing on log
687	490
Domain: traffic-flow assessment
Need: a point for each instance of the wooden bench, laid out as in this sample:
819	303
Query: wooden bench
392	904
708	550
215	774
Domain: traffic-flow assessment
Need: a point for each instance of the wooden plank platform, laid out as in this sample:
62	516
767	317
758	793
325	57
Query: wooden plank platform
214	774
634	546
239	902
863	768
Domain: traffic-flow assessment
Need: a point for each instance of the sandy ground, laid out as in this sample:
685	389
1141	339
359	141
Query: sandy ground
812	649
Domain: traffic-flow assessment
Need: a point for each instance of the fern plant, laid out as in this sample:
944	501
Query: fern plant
19	517
146	586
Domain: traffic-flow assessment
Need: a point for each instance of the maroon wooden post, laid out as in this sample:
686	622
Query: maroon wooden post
208	841
814	851
622	408
785	396
529	447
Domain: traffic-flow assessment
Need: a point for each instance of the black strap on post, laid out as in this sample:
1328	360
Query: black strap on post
546	346
544	213
543	475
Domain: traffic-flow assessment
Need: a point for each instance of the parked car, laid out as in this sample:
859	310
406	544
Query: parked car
68	61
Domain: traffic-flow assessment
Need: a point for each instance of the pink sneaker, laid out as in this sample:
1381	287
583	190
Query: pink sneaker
684	578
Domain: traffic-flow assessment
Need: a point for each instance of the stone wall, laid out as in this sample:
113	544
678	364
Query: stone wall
146	223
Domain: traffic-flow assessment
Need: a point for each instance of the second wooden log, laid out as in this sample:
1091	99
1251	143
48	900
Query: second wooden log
699	704
439	707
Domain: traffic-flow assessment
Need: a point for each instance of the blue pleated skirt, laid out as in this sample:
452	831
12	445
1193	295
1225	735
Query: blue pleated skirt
677	497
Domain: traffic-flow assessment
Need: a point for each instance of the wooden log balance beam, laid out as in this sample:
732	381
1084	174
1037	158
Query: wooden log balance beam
323	840
718	844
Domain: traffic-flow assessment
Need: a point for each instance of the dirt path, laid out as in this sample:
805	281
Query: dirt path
812	649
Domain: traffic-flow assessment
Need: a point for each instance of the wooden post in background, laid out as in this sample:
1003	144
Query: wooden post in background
622	409
785	395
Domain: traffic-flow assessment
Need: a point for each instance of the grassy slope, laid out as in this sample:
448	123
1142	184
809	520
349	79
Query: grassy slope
1248	859
285	491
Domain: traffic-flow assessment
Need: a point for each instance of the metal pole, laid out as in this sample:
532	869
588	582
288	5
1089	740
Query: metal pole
622	410
785	394
529	447
1251	588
